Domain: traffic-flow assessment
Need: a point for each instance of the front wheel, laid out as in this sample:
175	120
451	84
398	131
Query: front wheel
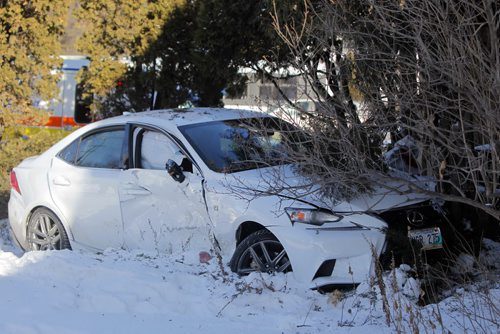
45	231
260	252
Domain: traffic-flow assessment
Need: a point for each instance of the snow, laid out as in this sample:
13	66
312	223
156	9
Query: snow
138	292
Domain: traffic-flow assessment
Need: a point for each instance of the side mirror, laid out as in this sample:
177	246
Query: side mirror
175	171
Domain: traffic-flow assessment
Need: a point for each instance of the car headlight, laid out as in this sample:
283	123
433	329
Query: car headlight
316	217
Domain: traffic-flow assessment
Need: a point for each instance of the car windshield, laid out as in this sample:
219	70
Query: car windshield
240	144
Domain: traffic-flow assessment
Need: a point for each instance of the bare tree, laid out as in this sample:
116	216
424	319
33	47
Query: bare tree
380	71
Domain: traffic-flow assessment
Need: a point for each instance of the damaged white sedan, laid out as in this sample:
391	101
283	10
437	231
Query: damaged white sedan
168	181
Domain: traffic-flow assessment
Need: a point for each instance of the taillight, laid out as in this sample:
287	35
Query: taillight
13	182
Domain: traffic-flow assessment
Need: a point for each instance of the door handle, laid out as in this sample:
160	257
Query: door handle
138	191
132	189
61	181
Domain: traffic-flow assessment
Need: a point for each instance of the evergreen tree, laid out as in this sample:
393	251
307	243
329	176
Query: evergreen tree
235	34
176	50
29	50
117	39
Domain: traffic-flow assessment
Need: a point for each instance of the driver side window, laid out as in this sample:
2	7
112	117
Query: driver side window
154	149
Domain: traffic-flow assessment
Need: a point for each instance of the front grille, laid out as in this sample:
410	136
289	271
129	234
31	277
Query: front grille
399	248
422	215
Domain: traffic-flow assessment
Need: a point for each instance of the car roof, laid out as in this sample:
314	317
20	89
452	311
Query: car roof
168	119
180	117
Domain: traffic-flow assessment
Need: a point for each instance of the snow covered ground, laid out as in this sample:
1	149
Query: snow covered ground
136	292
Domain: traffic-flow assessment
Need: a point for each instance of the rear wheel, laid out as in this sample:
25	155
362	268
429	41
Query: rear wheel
45	231
260	252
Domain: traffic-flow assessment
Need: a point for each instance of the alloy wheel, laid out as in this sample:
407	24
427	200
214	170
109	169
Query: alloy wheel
44	233
266	256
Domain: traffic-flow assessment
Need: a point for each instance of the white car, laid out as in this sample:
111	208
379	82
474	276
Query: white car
177	180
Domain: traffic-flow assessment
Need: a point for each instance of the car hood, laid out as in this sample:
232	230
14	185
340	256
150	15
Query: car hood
284	181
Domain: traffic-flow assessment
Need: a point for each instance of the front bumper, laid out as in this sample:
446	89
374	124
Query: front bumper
328	256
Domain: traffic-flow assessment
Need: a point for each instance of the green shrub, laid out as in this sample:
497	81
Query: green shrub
18	144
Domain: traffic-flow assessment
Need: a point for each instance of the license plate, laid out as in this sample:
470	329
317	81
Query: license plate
429	238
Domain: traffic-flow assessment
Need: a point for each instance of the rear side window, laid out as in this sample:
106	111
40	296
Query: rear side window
69	153
98	150
101	150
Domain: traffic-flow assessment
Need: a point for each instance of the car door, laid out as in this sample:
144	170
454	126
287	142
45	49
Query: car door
84	180
160	213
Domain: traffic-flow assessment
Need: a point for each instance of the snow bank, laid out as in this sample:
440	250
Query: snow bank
138	292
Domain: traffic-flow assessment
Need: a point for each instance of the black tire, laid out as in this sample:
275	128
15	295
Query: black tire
260	252
46	232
